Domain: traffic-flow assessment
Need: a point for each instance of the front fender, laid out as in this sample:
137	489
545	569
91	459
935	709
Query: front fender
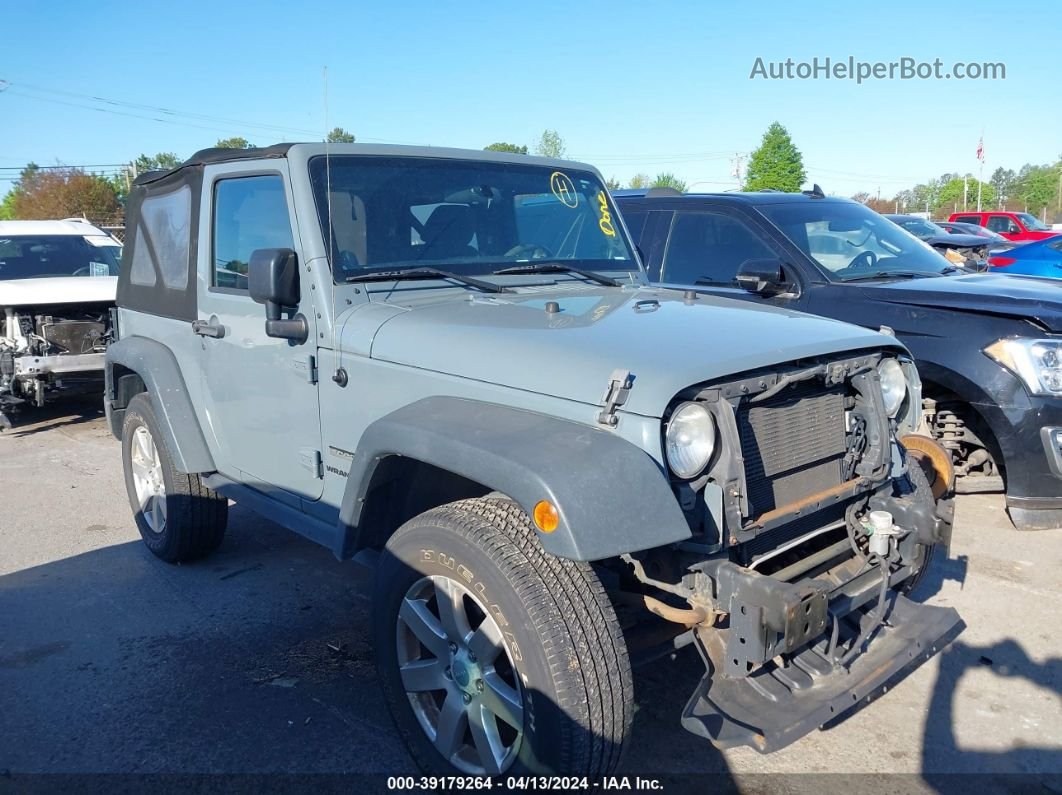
612	497
158	369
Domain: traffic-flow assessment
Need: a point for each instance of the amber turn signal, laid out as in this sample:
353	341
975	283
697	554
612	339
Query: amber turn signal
546	517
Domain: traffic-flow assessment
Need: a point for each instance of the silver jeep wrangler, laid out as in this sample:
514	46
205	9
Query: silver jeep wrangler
450	364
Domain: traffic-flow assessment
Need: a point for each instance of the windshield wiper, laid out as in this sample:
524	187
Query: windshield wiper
893	274
426	273
558	267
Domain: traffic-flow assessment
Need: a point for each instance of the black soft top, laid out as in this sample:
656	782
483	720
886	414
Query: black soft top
205	157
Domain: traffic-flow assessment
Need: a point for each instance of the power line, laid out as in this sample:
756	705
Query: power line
171	116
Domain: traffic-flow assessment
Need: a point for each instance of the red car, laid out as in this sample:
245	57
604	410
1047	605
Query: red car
1013	226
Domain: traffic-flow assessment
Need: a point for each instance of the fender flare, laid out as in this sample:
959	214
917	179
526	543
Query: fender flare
158	369
611	496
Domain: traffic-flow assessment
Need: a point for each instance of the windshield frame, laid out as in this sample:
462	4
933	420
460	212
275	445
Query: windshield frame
767	211
604	211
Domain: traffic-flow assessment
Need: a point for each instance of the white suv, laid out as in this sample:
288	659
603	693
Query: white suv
57	287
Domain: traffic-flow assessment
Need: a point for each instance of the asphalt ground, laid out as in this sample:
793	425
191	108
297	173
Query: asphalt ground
257	661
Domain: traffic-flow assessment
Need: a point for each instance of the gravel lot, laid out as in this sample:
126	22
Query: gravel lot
257	660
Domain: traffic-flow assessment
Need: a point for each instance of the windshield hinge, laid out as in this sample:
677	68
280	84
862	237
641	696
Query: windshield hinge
619	387
311	459
307	368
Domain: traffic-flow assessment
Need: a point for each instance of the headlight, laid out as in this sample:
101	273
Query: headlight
690	440
1038	363
893	385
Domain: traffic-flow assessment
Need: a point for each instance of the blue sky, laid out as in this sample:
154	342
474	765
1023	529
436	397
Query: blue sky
630	87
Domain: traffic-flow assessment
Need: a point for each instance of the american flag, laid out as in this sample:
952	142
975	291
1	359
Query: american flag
981	149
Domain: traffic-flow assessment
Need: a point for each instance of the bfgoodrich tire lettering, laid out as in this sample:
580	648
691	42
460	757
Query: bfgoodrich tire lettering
559	629
179	518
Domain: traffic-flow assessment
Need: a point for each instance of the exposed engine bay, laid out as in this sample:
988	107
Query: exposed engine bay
973	258
50	350
809	529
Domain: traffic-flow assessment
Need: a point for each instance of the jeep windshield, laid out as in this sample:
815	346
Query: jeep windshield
850	241
43	256
465	217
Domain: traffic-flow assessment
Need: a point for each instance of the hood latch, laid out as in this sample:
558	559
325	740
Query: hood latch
619	387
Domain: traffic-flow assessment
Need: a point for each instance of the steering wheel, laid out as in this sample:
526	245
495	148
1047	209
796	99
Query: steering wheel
529	251
865	260
348	260
81	272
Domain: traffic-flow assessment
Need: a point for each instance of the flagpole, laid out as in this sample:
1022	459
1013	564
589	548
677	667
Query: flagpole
981	169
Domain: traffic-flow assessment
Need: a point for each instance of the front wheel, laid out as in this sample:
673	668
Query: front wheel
494	656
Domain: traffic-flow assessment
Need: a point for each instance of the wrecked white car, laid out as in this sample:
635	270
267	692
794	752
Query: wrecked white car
57	289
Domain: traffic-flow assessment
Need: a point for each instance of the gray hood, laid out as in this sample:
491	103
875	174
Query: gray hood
666	342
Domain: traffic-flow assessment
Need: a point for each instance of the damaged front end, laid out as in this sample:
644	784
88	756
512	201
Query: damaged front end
47	351
809	529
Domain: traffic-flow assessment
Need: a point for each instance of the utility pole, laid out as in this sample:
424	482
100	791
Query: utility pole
736	167
965	191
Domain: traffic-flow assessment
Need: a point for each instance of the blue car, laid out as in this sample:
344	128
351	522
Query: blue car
1038	258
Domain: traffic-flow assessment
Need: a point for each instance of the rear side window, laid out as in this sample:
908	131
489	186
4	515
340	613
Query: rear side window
968	219
162	240
708	248
249	213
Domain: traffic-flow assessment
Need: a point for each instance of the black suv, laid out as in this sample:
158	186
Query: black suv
988	347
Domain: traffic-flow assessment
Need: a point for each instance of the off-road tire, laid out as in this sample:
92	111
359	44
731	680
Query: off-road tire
196	517
572	660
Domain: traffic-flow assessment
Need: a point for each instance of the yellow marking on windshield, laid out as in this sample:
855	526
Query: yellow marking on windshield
605	221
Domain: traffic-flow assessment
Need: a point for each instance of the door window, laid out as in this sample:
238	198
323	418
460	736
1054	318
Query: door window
249	213
708	248
967	219
1002	224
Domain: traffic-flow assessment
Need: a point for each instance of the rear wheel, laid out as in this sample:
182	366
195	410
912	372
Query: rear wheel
179	518
494	656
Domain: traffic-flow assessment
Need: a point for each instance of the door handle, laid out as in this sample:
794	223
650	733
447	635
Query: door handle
205	328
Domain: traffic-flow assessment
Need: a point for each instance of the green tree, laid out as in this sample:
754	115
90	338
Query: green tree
501	146
66	193
777	164
162	161
1036	188
7	206
950	196
550	144
8	210
639	181
1002	182
233	143
339	136
613	184
666	179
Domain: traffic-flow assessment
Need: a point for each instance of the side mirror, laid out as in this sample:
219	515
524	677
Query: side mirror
273	280
762	276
